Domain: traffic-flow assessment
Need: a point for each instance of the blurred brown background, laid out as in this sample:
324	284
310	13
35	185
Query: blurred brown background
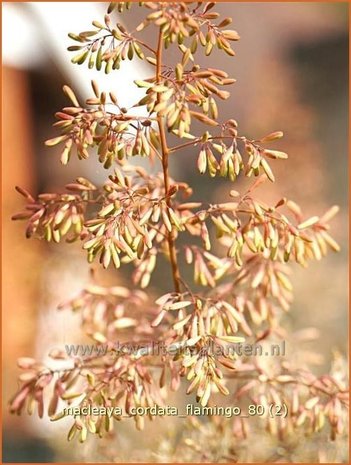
291	67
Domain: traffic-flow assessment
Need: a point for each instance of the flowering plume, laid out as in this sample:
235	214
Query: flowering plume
240	250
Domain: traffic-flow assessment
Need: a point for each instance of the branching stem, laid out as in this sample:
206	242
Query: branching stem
198	141
165	168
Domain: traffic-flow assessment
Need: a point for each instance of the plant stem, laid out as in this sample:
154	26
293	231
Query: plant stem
165	168
183	146
198	140
140	42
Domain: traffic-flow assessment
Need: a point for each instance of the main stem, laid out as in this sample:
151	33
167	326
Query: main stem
165	168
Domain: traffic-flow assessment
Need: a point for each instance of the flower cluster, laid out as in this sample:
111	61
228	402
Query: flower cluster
118	383
105	46
202	335
106	126
179	21
178	89
312	403
54	216
109	311
240	249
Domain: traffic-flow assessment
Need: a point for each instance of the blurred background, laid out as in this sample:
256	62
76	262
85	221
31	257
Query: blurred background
291	67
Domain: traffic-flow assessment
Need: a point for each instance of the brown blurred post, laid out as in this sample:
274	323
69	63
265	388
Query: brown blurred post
20	259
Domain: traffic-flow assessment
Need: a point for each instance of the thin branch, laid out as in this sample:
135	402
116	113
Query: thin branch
198	140
140	42
165	167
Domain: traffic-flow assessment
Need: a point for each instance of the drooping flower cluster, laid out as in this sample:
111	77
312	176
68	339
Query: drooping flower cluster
239	249
107	312
103	125
53	216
